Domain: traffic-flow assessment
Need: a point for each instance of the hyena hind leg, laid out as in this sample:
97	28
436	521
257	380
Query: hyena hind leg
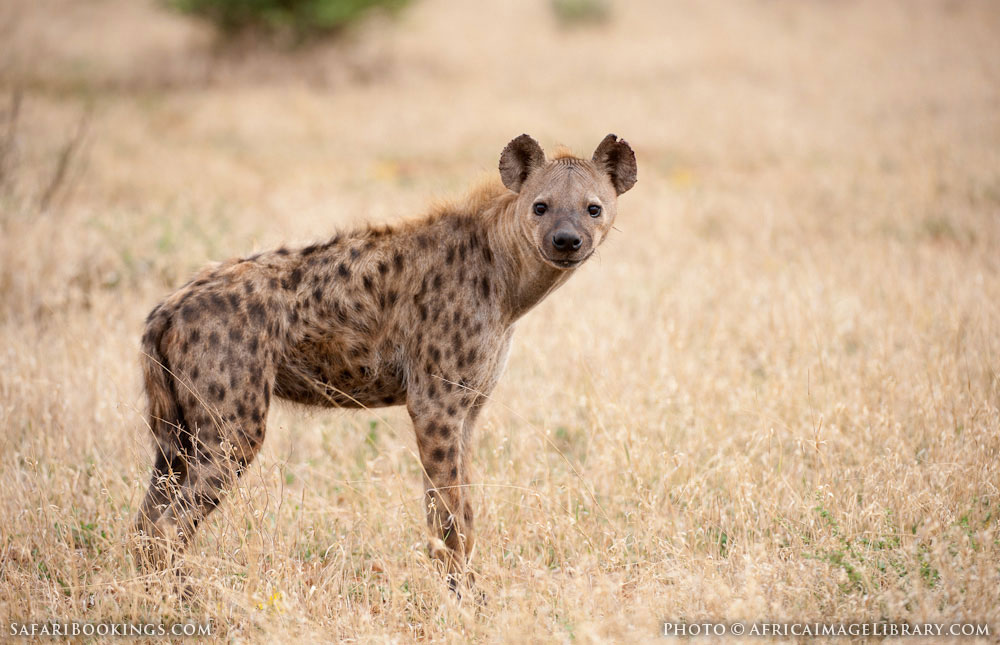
211	474
176	505
169	474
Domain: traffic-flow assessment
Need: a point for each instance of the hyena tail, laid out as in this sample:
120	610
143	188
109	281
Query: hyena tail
166	421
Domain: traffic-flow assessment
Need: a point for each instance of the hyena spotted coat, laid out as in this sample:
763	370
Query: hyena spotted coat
420	314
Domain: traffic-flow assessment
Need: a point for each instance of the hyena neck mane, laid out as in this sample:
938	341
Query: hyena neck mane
472	242
524	279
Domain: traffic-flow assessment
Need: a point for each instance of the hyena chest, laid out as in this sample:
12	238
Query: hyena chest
337	374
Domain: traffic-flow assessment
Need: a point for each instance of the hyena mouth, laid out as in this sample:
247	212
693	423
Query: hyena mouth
567	263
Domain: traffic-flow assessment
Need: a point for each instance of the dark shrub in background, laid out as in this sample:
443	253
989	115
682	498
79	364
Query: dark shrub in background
299	18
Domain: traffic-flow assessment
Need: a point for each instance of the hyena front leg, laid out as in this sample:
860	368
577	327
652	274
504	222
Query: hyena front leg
439	411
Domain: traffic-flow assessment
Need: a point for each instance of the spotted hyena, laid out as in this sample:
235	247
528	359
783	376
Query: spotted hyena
420	314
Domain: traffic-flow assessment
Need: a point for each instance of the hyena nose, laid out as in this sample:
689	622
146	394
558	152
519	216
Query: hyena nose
565	240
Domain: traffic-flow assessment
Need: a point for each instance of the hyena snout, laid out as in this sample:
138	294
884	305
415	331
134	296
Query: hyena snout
567	244
565	240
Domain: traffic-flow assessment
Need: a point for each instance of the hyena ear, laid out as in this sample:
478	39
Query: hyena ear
520	158
615	157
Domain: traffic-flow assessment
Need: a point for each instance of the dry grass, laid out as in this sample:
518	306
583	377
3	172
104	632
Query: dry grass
775	394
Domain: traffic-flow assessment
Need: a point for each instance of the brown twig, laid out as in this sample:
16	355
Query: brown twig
10	132
66	157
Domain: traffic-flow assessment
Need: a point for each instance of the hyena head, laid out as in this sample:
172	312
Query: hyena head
566	206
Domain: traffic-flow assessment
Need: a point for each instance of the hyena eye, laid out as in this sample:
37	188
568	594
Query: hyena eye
594	210
540	208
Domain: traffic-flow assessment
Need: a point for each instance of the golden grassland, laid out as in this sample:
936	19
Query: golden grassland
774	395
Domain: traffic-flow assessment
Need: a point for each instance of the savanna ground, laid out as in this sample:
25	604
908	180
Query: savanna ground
774	395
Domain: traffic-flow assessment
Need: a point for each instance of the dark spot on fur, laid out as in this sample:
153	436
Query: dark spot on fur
282	251
355	254
190	312
339	313
213	339
438	454
487	254
292	281
383	268
435	353
437	281
273	283
253	345
312	248
343	271
432	391
367	282
234	301
267	394
217	302
449	258
452	411
397	261
422	309
218	391
257	314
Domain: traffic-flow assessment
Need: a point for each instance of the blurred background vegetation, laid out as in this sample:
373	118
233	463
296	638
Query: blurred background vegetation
300	19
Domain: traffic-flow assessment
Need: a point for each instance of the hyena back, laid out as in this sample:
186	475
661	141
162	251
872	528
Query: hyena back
420	314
